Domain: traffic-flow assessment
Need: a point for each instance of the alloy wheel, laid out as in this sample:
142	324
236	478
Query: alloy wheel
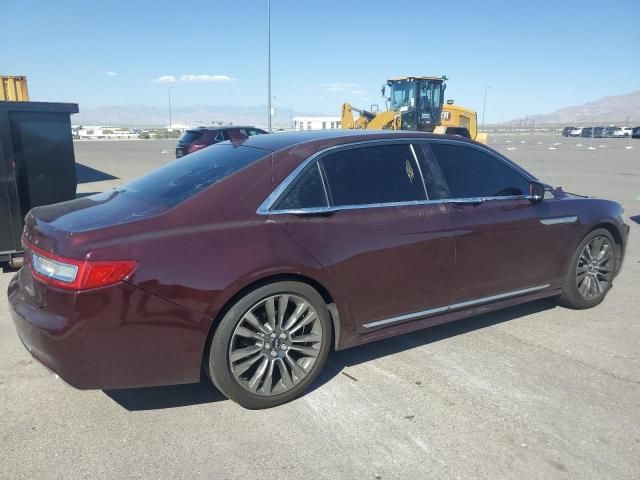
275	344
595	268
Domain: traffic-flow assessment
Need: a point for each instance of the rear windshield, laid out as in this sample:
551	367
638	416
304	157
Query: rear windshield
186	176
191	136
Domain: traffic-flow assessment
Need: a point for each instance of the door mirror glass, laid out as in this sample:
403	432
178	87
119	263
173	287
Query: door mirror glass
536	192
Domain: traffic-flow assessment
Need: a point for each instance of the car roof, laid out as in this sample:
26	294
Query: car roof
327	138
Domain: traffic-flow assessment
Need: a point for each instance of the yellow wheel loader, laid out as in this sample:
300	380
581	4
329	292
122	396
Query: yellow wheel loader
416	103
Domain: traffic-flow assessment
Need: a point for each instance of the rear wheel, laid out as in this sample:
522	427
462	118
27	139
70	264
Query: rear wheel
271	345
591	271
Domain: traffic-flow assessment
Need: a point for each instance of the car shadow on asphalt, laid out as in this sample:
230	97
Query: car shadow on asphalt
157	398
342	359
171	396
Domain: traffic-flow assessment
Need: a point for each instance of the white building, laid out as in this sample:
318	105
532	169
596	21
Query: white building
86	132
316	123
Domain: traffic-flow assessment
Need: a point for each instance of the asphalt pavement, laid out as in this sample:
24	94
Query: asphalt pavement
532	392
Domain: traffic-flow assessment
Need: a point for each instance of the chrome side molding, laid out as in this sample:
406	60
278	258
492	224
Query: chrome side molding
455	306
559	220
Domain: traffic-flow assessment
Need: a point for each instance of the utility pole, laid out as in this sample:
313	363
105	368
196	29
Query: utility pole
269	66
170	123
484	103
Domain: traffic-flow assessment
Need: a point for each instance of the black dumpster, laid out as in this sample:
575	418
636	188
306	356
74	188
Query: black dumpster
37	166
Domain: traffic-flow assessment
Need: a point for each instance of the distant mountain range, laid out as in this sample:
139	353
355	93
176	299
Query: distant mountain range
147	116
618	109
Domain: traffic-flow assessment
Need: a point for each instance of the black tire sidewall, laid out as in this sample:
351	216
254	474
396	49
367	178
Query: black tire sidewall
218	359
570	296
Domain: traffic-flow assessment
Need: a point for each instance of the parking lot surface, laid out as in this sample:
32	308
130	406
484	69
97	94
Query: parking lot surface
534	391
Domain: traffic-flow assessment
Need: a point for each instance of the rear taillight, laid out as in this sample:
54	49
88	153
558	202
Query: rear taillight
196	146
73	274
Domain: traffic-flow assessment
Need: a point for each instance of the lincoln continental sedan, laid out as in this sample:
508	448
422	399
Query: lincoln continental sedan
252	260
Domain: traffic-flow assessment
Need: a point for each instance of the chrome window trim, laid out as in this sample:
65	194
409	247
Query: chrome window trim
455	306
415	159
320	210
265	207
325	189
559	220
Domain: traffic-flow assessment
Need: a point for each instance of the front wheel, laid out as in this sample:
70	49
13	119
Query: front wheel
591	271
270	345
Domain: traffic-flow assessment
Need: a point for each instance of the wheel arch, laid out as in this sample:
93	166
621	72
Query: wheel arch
324	292
617	237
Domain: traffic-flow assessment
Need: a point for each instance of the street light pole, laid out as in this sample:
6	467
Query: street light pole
269	66
170	123
484	103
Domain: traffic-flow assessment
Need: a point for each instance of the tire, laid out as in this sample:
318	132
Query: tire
254	333
579	291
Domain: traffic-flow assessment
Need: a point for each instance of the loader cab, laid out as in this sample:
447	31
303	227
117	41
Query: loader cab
419	100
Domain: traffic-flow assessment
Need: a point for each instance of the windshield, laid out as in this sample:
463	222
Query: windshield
187	176
402	95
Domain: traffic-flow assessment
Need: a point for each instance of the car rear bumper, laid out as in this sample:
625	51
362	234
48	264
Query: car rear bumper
115	337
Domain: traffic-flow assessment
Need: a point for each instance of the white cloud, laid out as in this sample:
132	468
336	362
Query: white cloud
205	78
192	79
110	74
165	79
343	87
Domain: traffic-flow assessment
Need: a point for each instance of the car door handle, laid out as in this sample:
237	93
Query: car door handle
466	202
323	212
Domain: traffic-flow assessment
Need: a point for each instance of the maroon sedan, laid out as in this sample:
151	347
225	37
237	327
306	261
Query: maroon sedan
253	260
201	137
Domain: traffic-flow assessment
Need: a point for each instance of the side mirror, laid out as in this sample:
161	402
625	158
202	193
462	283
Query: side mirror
383	90
536	192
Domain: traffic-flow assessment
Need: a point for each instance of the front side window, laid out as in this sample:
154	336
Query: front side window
373	174
470	172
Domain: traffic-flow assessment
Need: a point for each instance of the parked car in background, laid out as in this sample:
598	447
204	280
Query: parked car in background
623	132
254	259
608	131
566	131
598	132
576	132
635	133
198	138
587	132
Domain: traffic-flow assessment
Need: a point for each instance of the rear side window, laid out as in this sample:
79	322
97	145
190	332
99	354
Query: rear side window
307	192
221	136
470	173
188	175
373	174
191	136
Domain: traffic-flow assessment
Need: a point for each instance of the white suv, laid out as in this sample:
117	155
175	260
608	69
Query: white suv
623	132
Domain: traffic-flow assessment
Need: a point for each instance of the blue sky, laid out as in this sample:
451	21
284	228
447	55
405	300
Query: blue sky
536	56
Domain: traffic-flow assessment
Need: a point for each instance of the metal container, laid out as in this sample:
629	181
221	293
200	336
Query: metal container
37	164
13	89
